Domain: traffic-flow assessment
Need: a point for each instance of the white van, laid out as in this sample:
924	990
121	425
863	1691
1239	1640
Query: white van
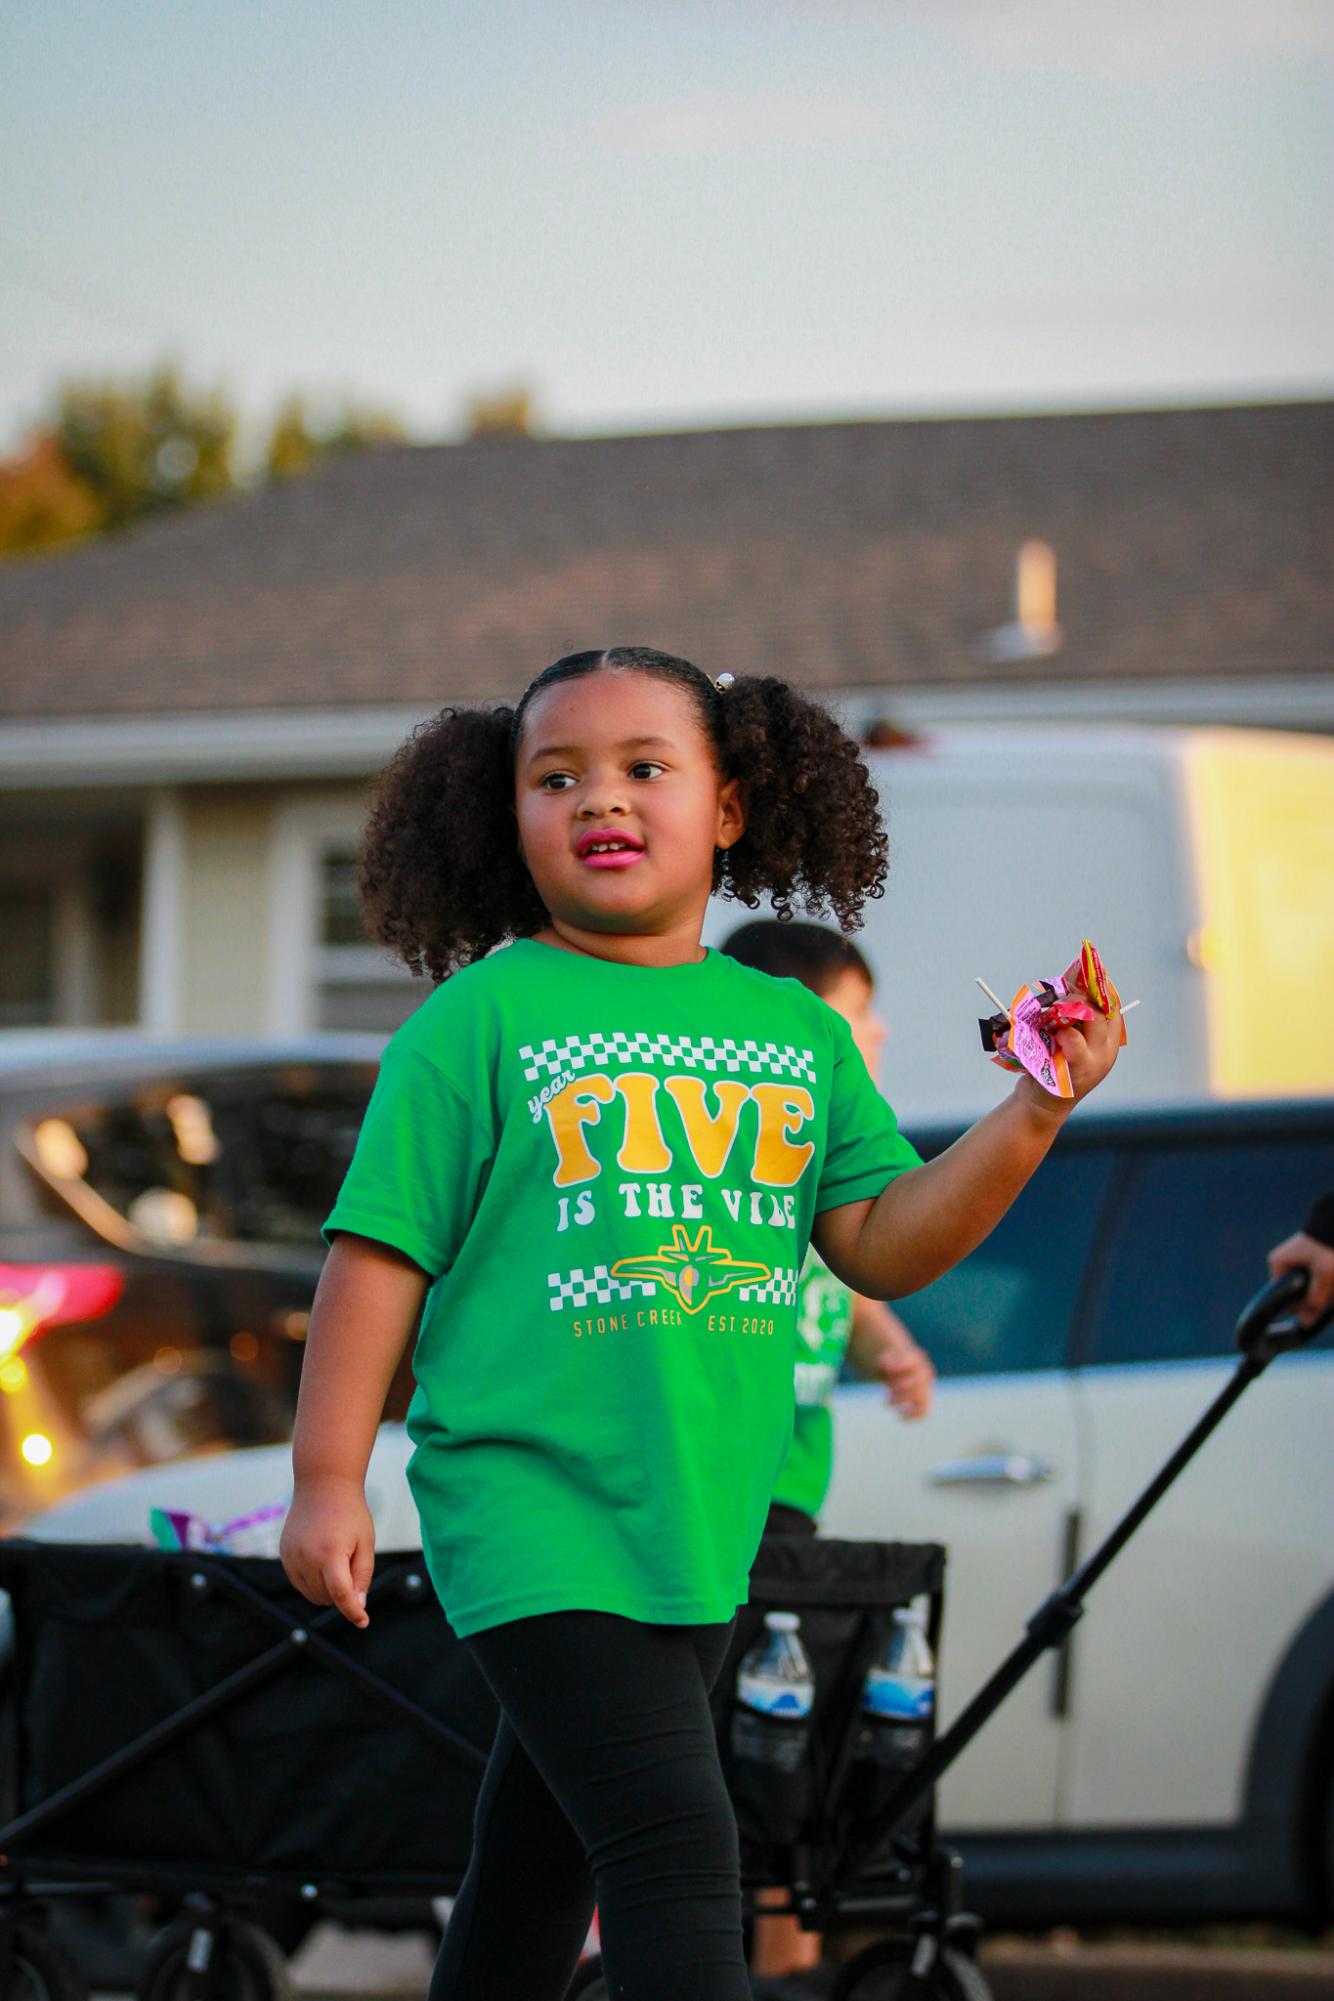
1200	862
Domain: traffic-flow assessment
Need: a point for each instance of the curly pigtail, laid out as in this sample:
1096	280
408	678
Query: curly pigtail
814	835
441	878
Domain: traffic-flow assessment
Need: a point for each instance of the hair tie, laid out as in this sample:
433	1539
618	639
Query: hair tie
724	682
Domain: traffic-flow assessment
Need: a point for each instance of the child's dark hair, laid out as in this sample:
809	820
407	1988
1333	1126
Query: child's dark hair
811	953
442	879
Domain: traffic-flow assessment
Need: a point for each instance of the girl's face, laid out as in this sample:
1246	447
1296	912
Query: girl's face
852	996
620	807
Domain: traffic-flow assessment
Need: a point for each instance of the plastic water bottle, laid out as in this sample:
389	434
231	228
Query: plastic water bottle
775	1677
899	1695
775	1692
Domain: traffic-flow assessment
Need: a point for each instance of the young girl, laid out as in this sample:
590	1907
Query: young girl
591	1165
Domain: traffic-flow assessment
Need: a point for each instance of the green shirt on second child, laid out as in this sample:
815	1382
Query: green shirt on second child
824	1329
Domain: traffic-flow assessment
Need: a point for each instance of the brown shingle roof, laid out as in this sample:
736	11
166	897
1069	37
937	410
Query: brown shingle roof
872	554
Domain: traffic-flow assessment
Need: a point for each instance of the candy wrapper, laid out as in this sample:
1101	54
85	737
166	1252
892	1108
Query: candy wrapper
255	1534
1025	1039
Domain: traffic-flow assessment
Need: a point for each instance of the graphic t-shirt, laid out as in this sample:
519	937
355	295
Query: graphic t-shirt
824	1328
609	1174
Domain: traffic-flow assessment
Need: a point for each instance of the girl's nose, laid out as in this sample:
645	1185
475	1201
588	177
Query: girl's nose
600	798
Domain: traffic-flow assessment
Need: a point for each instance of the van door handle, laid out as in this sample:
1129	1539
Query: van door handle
994	1469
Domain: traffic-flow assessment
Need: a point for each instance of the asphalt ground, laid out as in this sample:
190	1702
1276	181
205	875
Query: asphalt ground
335	1965
1031	1971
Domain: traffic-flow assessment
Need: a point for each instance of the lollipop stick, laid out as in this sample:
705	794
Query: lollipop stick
1129	1004
995	999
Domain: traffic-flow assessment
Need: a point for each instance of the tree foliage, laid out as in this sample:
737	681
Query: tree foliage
502	413
116	450
297	442
43	503
144	447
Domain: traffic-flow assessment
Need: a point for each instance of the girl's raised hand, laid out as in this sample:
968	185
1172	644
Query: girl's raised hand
1090	1048
328	1545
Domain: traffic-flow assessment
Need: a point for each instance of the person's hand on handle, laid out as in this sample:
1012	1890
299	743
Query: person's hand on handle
1299	1252
907	1373
328	1545
1090	1048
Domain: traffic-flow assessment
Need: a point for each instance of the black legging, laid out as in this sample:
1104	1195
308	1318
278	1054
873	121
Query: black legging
603	1783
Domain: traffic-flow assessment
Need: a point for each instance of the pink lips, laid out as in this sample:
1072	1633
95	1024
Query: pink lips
620	857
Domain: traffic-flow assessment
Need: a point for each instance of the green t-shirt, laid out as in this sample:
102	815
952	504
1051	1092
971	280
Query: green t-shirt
824	1328
609	1174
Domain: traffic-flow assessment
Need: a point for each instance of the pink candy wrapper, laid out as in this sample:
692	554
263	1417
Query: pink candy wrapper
1026	1040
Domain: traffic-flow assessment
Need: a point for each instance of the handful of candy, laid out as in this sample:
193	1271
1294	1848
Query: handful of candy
1024	1038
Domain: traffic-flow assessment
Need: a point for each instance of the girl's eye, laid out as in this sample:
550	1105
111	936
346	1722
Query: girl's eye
560	781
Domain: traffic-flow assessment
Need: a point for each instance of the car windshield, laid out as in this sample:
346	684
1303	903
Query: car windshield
250	1157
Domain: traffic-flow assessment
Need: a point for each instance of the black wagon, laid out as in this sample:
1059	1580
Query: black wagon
187	1726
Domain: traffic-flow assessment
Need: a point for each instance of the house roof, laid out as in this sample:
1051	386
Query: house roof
1188	542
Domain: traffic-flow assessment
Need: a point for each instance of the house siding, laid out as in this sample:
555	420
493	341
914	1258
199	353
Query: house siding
225	944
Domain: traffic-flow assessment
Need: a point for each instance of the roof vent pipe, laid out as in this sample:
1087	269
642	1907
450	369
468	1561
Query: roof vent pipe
1034	632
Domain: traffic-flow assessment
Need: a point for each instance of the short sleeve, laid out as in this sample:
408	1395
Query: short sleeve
864	1149
419	1167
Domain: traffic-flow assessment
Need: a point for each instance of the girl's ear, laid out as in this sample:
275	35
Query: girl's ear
731	813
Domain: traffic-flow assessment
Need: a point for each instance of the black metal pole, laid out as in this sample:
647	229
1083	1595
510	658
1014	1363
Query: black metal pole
1092	1568
1048	1627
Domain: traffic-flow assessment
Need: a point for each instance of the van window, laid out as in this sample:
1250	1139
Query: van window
1007	1308
1191	1236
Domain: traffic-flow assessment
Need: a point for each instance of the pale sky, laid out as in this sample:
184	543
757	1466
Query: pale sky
674	212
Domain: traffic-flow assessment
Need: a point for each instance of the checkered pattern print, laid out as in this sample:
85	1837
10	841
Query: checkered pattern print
779	1290
581	1288
622	1048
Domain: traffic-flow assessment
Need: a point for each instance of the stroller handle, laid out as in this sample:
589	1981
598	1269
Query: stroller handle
1266	1327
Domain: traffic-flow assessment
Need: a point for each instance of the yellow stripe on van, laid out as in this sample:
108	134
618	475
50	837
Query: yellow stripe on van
1262	805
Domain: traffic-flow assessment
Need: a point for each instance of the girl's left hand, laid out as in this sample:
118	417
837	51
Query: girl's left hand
1090	1048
